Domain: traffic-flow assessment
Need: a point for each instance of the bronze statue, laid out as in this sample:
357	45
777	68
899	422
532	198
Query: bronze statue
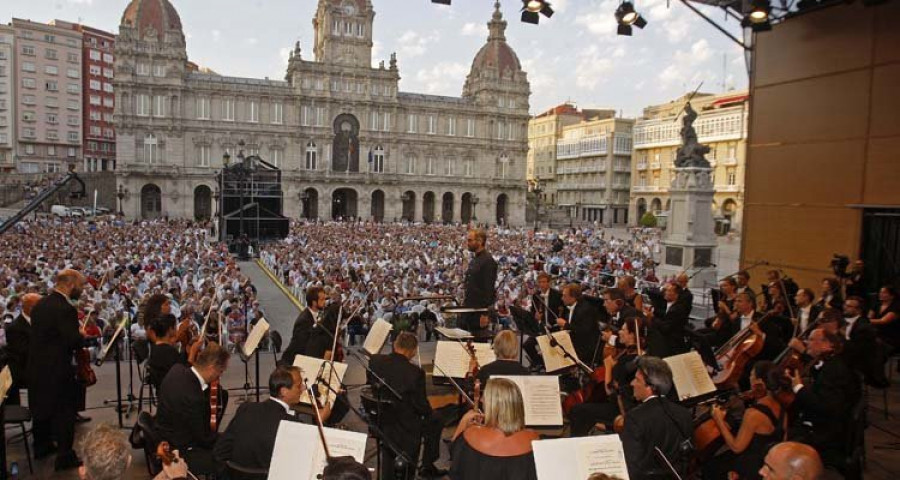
691	153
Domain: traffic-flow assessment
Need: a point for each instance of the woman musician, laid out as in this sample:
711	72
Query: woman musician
764	424
620	370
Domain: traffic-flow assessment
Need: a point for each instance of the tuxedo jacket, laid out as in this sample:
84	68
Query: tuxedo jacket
657	422
401	420
18	338
666	334
182	417
249	439
50	373
826	399
584	328
303	326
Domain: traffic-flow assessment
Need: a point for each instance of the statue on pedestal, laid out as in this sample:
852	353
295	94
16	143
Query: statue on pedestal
691	153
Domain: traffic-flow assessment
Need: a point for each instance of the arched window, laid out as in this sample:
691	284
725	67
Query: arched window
376	160
312	156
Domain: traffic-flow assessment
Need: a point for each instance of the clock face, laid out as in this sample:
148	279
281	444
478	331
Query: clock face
349	9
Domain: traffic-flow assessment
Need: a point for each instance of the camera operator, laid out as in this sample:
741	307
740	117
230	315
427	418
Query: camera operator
855	280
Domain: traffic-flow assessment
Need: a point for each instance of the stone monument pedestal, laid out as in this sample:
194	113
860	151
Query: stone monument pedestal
689	242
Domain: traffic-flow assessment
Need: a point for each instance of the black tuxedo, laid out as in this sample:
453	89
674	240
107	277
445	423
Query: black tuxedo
658	422
300	336
183	415
864	354
18	337
666	334
50	374
584	329
824	405
406	422
250	437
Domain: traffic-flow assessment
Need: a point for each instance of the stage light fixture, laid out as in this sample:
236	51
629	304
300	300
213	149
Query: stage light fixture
759	11
626	16
532	9
442	2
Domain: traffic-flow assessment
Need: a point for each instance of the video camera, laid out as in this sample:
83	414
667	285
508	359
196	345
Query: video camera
839	264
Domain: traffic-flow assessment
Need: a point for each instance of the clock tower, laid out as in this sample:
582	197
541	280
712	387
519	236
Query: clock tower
343	32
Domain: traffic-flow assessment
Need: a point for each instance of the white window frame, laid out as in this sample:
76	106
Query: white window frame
470	127
432	124
312	156
277	113
228	110
451	126
378	159
159	106
254	112
204	156
142	105
151	149
411	121
203	108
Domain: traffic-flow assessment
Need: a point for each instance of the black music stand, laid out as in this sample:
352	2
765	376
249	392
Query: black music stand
525	324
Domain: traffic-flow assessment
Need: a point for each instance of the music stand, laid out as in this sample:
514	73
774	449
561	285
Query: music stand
525	324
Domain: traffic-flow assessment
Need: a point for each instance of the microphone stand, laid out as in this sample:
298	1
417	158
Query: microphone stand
401	460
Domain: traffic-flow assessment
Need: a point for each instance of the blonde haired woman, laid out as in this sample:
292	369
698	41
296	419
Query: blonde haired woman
496	446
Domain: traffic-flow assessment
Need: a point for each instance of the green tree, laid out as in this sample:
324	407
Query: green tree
648	220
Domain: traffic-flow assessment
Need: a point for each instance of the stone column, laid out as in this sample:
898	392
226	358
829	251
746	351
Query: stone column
689	242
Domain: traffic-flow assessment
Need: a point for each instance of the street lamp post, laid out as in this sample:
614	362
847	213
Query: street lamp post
304	199
475	201
121	195
537	190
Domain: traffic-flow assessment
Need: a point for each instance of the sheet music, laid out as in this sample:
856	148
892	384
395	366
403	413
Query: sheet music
294	437
554	359
311	366
689	375
452	333
5	382
543	405
256	335
453	358
378	334
579	458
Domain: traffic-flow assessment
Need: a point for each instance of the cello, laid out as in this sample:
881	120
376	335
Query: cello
734	356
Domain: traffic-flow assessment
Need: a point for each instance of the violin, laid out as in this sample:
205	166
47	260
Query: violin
83	371
167	456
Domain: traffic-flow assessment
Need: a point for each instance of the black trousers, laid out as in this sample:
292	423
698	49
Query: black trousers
431	450
58	427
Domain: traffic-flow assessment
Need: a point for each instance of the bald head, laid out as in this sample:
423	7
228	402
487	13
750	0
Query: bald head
70	282
791	461
29	301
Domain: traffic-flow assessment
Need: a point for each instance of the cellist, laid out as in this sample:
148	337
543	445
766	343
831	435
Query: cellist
619	370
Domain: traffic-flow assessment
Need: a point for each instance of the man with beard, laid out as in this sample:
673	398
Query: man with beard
52	387
480	280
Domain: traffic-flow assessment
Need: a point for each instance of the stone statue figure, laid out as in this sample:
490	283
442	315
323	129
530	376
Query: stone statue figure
345	146
691	153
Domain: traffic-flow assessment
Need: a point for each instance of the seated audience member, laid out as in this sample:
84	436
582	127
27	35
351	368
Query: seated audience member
497	446
791	461
885	315
763	424
656	422
249	439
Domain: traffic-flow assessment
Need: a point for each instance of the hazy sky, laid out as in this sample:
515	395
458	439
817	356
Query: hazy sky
576	55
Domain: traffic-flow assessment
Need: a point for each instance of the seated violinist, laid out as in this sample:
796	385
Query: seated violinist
824	397
495	445
506	348
764	423
163	353
620	372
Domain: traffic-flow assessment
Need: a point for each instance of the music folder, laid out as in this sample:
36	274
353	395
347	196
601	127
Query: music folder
579	458
453	358
690	376
299	455
378	334
256	335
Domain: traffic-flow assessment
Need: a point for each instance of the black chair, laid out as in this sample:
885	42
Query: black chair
855	451
275	339
240	472
19	415
144	436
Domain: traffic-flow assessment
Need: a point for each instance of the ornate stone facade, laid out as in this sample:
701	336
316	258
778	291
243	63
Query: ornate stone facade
348	141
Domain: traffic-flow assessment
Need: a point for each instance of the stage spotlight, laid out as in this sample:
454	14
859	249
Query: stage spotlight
759	11
626	16
442	2
531	9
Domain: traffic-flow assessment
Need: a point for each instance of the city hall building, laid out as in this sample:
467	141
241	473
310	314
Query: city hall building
348	141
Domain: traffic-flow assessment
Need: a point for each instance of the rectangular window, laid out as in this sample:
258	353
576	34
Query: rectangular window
432	124
95	100
95	85
411	123
28	100
254	112
373	121
451	126
51	151
159	105
50	54
109	102
448	167
470	167
108	72
94	70
95	116
28	67
52	86
304	115
95	55
28	50
72	137
73	88
142	105
275	157
360	30
29	116
277	113
159	71
429	165
320	116
108	58
29	149
204	155
228	110
510	132
73	105
96	131
52	119
203	108
72	57
49	38
107	87
501	130
470	127
28	83
143	69
51	70
387	121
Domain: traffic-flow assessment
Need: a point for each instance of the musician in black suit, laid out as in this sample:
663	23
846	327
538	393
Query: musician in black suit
546	305
743	284
18	338
315	301
249	439
825	399
862	351
506	348
582	321
410	421
667	329
52	386
685	297
183	416
320	344
806	312
655	422
480	281
619	310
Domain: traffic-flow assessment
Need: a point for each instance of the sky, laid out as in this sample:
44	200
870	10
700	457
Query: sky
574	56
